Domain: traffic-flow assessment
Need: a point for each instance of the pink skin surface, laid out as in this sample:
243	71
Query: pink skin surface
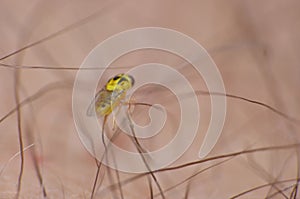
255	45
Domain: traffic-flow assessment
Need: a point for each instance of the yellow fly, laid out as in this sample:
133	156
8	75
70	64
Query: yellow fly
109	98
111	95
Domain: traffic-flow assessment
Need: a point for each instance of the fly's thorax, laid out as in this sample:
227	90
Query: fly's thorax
120	82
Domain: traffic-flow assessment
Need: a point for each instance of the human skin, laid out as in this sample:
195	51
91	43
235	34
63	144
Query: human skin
254	45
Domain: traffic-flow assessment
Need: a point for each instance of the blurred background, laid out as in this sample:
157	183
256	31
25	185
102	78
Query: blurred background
255	45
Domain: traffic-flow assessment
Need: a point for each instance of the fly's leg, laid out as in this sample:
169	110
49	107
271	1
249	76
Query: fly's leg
114	124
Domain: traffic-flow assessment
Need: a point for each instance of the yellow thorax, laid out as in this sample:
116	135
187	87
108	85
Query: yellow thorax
120	82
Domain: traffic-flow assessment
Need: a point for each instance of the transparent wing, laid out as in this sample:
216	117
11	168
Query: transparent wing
101	96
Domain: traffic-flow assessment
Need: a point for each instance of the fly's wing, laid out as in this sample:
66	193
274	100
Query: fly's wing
99	100
118	95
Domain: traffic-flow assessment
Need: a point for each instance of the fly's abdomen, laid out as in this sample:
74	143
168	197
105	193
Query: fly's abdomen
105	102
